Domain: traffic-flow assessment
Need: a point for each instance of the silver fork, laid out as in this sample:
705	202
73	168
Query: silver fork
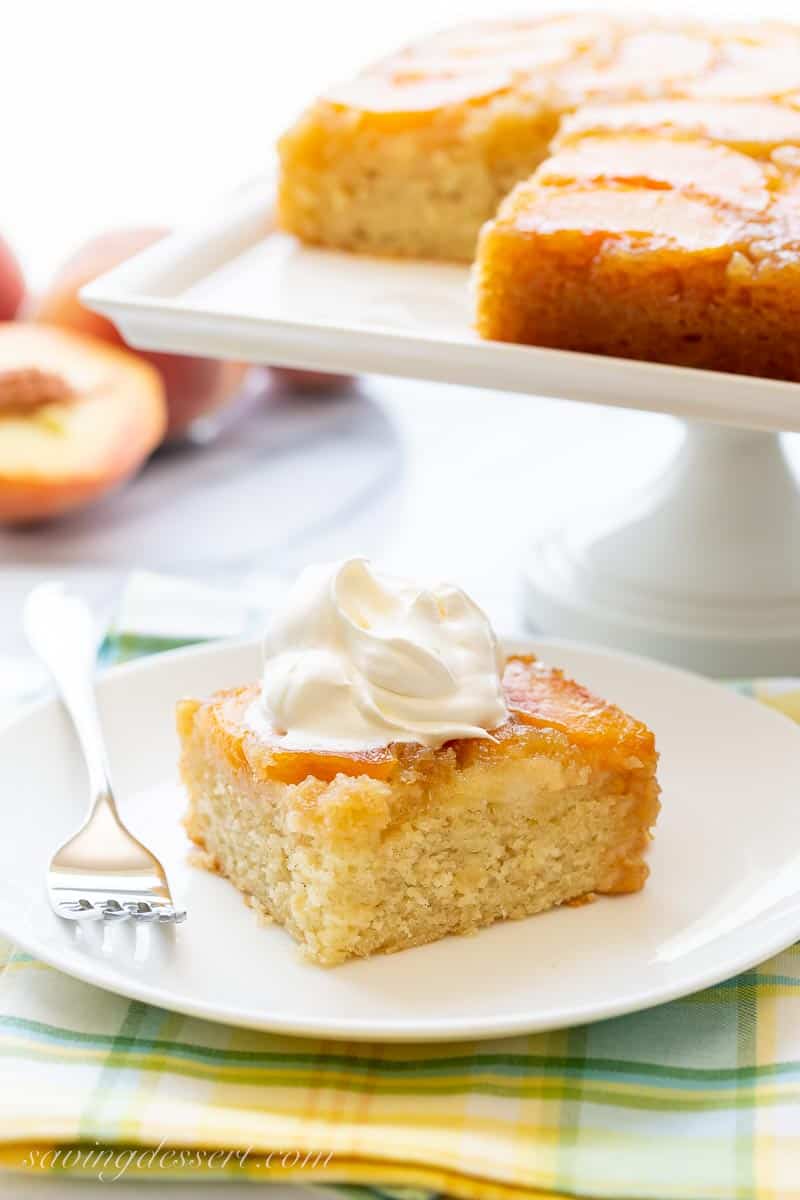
103	871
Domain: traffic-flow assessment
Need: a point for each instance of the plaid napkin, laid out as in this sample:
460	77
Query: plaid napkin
694	1100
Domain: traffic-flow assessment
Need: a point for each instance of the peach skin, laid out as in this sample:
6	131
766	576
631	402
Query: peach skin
194	386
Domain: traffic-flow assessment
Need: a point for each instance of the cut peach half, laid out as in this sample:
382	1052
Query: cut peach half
77	417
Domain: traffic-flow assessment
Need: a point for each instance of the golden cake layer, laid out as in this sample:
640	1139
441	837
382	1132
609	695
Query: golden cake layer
361	853
670	233
411	157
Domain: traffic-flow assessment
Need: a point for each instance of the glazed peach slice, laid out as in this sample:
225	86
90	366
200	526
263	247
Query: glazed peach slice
77	417
407	93
547	698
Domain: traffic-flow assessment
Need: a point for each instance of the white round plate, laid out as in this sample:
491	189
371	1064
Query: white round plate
724	892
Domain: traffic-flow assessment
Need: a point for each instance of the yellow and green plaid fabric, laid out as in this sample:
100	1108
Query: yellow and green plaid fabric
695	1100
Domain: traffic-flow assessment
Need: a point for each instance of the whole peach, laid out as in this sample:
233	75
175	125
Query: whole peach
194	386
12	284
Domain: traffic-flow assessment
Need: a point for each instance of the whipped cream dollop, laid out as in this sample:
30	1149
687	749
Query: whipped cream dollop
355	659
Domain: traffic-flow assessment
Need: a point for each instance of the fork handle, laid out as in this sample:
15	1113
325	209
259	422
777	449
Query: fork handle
60	630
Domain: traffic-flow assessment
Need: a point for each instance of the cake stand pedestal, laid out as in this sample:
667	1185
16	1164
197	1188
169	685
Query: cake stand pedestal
701	568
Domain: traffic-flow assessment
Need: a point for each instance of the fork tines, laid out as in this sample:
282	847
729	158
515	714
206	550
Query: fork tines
112	910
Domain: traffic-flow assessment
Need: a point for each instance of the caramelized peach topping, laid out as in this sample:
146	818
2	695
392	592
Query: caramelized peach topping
537	696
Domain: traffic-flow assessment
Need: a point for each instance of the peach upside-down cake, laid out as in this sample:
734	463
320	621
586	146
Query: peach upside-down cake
361	850
652	168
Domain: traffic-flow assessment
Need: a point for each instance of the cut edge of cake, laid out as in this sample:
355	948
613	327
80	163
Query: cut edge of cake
644	245
418	844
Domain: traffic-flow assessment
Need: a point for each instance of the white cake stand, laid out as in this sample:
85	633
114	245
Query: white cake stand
702	568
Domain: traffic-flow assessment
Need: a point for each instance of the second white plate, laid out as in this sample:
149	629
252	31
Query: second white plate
724	891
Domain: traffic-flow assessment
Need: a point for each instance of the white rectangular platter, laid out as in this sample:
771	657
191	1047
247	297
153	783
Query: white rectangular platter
235	288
